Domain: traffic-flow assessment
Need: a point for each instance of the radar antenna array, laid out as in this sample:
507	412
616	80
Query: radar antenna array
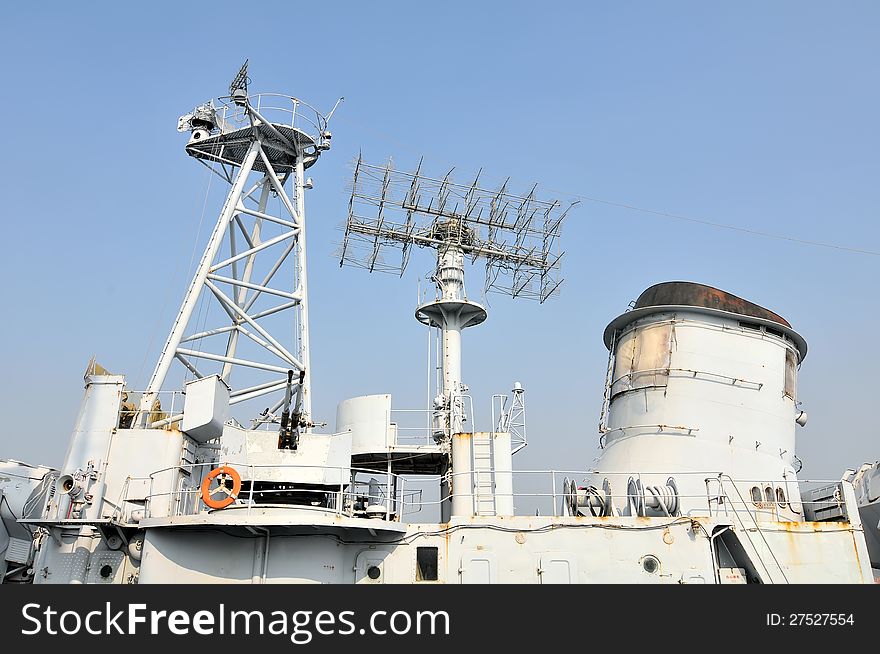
516	235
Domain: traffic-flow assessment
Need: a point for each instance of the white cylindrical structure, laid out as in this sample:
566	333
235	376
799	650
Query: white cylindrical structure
368	419
450	272
451	355
703	385
82	473
451	312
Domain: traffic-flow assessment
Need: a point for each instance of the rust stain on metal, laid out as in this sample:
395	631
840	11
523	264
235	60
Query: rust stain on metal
700	295
808	526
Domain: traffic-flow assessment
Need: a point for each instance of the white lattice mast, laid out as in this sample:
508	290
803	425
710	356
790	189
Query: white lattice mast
516	236
254	265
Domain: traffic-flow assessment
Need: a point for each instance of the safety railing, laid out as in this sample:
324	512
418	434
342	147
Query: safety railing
417	426
166	405
352	492
275	108
412	426
355	492
543	492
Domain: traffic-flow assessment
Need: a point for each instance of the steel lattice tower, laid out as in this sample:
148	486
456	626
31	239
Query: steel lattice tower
254	263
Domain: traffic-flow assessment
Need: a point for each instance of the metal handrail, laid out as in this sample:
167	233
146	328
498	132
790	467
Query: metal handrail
399	500
348	480
692	373
673	430
421	433
232	116
721	478
174	407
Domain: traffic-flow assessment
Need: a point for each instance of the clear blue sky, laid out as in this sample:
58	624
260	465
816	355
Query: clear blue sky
753	114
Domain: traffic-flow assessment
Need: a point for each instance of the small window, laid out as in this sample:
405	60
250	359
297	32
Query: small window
750	325
756	494
426	564
768	494
780	497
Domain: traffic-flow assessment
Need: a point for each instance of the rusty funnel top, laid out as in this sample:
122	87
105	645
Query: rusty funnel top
672	296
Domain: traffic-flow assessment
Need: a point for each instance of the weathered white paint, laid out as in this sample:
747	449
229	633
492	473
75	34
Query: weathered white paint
695	391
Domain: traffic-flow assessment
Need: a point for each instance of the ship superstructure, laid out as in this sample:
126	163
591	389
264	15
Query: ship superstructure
696	482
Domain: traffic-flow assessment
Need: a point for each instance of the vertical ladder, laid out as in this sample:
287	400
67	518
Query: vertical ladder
484	473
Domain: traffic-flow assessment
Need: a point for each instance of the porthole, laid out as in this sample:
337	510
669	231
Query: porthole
373	572
756	494
768	494
650	564
780	497
106	571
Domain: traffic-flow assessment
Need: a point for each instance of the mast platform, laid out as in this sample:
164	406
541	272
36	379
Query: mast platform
231	147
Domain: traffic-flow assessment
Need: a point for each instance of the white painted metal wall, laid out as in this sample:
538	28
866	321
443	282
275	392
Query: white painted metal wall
498	550
695	391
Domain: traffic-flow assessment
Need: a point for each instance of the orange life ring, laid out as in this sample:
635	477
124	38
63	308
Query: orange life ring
223	475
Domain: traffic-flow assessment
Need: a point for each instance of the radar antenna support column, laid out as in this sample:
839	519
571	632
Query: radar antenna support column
451	312
450	280
515	235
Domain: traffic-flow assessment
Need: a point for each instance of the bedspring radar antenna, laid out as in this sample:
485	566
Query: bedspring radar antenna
516	236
